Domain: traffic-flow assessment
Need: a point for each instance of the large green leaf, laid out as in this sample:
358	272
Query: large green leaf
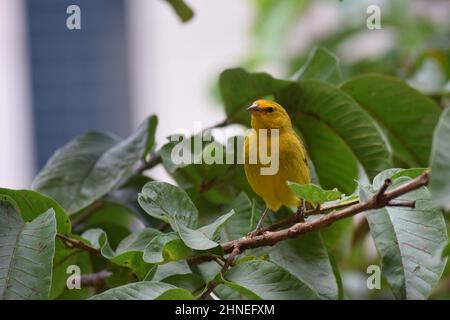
145	290
440	163
169	203
408	241
240	88
335	164
259	279
307	259
64	174
179	267
172	205
238	225
26	253
342	115
32	204
129	252
152	123
407	116
209	185
322	65
92	165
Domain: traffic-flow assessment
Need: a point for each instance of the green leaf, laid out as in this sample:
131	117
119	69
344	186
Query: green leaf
168	203
91	166
338	238
183	11
240	88
408	240
195	239
345	120
407	116
335	164
259	279
191	282
322	65
26	253
137	241
411	173
31	204
172	205
125	196
179	267
239	225
129	252
307	259
64	174
117	222
314	194
440	163
145	290
212	229
208	185
151	132
98	239
166	247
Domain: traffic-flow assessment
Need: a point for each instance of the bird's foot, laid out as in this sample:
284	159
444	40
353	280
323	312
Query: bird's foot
254	233
300	214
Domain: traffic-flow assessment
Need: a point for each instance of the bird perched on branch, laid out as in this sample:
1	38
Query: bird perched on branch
271	120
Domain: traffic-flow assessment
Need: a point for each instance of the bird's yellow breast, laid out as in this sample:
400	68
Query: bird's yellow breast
292	167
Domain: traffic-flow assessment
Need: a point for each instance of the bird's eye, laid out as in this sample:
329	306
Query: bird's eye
270	109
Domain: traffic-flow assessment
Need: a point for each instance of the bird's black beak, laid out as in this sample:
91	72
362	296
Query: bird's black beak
254	108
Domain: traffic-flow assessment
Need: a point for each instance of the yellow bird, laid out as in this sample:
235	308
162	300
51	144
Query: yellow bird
292	160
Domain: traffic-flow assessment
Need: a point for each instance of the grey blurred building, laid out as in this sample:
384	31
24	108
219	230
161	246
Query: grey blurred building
79	77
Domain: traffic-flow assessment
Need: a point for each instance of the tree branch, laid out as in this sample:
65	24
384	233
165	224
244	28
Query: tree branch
89	211
228	263
74	243
298	218
96	280
378	200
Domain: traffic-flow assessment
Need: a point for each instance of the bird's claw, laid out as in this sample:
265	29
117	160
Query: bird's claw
254	233
301	213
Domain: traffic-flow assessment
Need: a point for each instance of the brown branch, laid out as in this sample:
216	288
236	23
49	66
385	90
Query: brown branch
74	243
298	218
96	280
89	211
378	200
147	165
228	263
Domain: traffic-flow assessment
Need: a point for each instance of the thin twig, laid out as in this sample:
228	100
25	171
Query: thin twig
89	211
228	263
74	243
296	218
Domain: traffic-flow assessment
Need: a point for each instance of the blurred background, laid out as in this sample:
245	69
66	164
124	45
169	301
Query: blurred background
133	58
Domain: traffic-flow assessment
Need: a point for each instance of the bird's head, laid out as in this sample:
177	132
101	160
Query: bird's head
267	114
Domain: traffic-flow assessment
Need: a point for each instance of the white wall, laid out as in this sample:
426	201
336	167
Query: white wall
16	146
173	65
